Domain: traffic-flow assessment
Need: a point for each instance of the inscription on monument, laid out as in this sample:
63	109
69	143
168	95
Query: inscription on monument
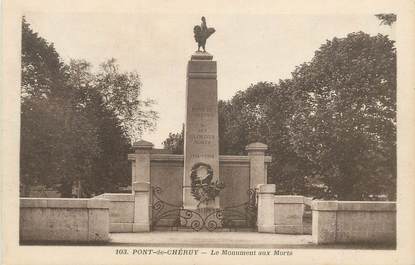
205	115
202	156
202	138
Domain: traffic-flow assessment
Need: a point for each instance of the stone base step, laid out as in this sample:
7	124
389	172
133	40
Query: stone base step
219	229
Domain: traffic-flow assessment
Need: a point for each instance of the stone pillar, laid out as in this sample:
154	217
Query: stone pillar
132	172
289	211
141	207
324	222
256	154
265	220
141	165
141	186
201	143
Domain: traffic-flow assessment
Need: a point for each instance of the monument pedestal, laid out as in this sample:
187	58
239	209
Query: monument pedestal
201	144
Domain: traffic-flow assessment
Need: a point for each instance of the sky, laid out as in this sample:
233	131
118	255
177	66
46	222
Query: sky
248	48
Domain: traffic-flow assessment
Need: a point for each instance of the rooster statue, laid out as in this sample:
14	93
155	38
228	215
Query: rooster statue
202	33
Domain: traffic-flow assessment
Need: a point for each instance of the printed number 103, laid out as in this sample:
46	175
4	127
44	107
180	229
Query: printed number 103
122	251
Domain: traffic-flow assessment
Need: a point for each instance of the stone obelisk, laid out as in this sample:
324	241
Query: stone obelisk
201	145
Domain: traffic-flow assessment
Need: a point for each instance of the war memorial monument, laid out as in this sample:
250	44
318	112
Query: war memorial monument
203	190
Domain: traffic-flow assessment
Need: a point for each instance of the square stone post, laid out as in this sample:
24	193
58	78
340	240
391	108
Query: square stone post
257	167
324	224
289	211
265	220
141	186
141	207
141	165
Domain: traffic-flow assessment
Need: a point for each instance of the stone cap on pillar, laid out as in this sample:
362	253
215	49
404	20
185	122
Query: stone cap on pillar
201	56
266	188
142	145
141	186
256	147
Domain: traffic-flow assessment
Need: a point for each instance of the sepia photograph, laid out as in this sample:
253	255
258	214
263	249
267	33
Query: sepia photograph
204	135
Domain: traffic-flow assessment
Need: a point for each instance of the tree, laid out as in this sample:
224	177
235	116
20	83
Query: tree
105	167
346	119
42	68
242	120
57	141
175	142
386	19
76	125
121	95
43	73
260	114
110	101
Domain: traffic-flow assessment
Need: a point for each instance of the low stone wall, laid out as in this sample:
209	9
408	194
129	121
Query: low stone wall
280	214
354	222
121	211
129	212
68	220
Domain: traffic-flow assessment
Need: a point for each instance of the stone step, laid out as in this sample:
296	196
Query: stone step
189	229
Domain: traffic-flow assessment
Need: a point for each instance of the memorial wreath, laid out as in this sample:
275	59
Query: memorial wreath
203	188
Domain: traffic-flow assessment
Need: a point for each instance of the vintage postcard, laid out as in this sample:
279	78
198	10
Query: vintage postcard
183	132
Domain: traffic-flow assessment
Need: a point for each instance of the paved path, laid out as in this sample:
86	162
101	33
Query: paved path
228	240
215	240
212	239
